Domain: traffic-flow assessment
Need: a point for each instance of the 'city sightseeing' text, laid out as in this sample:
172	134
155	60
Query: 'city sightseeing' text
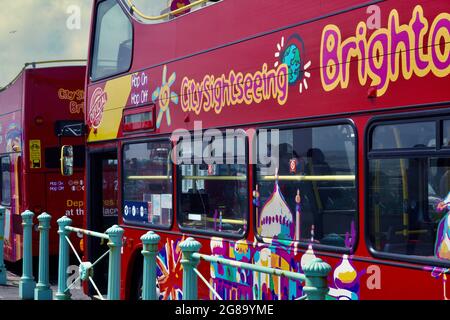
233	89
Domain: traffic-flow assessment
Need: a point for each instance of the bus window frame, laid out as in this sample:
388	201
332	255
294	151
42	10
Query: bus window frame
122	184
221	234
303	244
2	202
400	151
94	21
441	135
397	118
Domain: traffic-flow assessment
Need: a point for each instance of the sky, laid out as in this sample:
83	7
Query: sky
38	30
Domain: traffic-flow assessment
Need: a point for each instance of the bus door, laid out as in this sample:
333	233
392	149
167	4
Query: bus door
8	197
103	210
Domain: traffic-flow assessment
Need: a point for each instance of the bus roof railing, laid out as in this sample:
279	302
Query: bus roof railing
27	64
134	9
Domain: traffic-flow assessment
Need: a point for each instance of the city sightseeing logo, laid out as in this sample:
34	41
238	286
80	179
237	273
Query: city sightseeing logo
98	101
214	93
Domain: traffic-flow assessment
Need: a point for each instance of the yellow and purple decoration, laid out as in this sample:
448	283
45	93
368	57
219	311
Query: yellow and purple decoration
163	96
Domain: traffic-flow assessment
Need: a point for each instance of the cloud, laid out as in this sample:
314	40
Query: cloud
37	30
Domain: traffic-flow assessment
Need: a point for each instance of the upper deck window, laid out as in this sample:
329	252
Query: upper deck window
113	41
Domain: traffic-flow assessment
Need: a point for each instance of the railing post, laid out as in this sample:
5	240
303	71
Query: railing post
115	234
316	285
150	242
27	283
63	262
188	248
3	279
43	290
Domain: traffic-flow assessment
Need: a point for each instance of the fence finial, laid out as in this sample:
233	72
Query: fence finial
43	290
27	283
316	272
188	248
115	234
63	263
150	242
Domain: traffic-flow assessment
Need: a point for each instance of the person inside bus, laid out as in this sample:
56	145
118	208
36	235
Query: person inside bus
415	207
443	165
316	166
132	187
124	55
289	190
225	197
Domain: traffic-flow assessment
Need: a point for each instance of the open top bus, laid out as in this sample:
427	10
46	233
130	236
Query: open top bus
353	96
40	110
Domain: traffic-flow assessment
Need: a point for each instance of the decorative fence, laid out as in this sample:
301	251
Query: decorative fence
315	273
114	237
28	289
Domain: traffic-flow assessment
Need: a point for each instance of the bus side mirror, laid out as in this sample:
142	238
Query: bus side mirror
67	160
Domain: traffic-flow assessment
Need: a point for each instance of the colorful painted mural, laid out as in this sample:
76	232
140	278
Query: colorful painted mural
276	219
293	54
279	251
233	283
238	284
442	244
169	271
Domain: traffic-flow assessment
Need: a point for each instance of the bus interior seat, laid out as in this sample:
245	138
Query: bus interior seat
124	55
195	202
317	163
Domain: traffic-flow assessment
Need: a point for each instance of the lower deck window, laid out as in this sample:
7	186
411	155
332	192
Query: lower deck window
214	198
409	202
147	189
310	194
213	186
409	194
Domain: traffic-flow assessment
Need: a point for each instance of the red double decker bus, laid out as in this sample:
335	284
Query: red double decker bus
348	99
40	110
